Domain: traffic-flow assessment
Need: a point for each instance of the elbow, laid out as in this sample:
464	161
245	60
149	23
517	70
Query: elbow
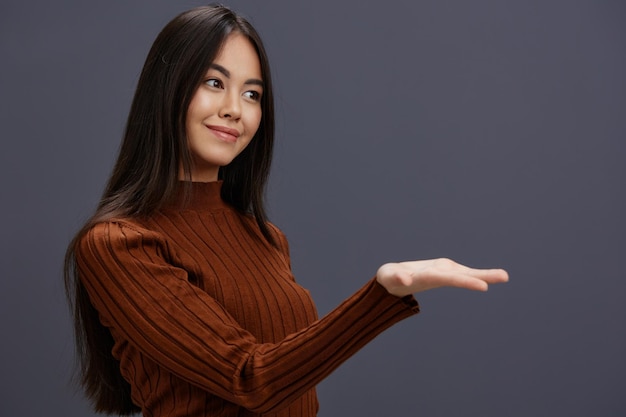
266	400
260	394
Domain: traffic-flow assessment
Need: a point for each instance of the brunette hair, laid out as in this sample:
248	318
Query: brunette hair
146	173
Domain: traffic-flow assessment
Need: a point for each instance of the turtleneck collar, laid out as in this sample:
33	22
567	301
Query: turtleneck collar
198	196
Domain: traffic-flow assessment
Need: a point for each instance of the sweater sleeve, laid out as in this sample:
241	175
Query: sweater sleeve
150	303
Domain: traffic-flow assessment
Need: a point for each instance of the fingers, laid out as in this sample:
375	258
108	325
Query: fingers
476	285
452	274
448	266
490	276
464	281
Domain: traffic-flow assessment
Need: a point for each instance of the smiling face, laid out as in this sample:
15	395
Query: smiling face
225	111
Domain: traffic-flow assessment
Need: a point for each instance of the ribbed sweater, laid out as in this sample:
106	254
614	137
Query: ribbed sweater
207	318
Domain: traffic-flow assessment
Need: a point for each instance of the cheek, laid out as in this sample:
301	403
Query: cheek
191	112
254	121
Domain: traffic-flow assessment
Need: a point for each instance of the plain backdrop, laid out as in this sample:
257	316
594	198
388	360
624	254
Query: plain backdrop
489	131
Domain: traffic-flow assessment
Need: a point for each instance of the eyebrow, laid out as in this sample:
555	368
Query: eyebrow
226	73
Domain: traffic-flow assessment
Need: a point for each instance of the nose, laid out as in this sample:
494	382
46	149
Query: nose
230	106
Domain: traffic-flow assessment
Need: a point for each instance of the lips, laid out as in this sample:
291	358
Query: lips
227	134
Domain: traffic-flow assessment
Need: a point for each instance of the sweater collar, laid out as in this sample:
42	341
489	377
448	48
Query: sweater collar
198	196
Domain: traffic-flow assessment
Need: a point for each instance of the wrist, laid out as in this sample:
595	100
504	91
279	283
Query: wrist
390	278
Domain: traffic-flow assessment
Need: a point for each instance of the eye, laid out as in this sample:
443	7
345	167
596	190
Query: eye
214	82
252	95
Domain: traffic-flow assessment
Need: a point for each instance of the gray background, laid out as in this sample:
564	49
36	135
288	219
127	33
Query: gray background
491	132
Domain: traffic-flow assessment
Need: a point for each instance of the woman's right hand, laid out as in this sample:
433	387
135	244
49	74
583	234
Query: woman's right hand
404	278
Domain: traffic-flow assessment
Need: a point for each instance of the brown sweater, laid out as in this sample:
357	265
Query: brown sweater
207	318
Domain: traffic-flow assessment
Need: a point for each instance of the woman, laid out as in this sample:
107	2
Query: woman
183	297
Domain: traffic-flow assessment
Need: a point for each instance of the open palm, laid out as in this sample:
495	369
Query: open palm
404	278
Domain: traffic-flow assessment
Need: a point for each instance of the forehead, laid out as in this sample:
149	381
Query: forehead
239	57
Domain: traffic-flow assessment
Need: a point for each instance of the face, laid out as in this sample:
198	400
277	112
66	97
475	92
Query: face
225	111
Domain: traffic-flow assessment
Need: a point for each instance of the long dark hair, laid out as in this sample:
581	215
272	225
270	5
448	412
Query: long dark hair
146	173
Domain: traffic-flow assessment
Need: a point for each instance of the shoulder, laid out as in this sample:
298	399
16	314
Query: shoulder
117	235
279	236
115	228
